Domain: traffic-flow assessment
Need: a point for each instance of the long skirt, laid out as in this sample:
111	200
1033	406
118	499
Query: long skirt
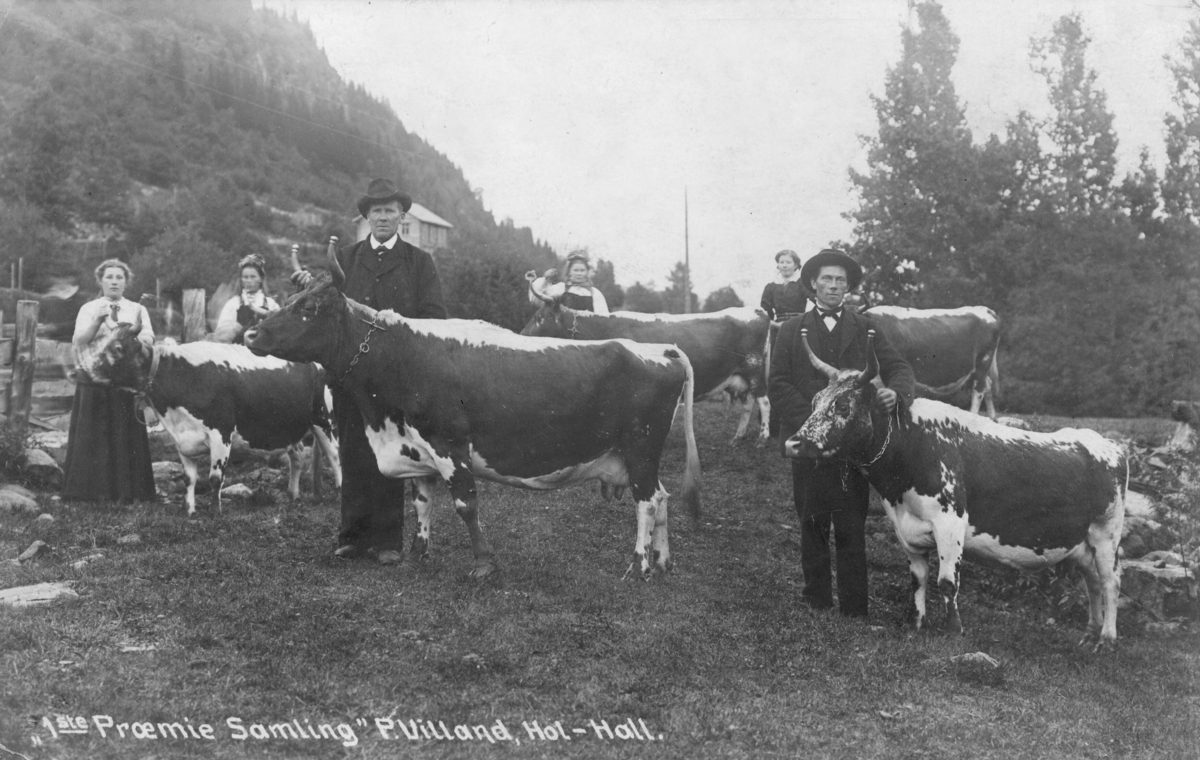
108	452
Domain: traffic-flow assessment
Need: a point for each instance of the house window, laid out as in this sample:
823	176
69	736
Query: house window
404	228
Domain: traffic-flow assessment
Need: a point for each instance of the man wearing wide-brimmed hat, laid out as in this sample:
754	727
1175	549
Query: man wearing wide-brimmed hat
383	272
831	494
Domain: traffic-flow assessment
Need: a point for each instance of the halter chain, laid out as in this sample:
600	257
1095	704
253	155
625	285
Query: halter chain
364	347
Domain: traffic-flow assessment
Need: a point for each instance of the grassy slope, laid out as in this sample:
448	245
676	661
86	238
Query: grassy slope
252	617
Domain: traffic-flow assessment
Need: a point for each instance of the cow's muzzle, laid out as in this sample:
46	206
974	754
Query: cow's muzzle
249	338
799	447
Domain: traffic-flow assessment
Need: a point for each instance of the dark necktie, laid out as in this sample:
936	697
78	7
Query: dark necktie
835	313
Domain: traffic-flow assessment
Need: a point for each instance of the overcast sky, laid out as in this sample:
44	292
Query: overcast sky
587	120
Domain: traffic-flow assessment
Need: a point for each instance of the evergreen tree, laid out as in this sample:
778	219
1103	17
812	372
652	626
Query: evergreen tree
918	208
1080	170
672	296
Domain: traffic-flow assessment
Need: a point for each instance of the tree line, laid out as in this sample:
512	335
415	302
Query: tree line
1095	277
171	134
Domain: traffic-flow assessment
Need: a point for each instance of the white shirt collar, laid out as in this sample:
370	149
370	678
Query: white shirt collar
794	278
388	244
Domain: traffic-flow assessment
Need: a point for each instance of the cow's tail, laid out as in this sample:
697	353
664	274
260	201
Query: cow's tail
691	472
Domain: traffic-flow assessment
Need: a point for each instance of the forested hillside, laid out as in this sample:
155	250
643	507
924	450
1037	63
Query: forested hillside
183	135
1096	277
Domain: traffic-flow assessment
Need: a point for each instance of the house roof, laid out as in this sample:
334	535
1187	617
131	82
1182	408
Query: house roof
428	217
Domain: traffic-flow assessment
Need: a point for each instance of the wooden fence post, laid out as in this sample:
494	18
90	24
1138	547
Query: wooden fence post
24	360
195	325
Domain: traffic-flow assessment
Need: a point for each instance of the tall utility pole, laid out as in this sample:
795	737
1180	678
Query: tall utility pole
687	264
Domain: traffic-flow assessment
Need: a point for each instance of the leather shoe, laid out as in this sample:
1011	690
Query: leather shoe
349	551
389	557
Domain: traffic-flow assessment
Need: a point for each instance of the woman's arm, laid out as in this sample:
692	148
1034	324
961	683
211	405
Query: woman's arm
146	334
91	315
228	329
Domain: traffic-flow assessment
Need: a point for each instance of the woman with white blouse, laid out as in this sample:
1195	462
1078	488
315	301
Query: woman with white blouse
108	452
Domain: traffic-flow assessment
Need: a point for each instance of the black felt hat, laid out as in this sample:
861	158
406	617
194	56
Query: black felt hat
383	191
831	257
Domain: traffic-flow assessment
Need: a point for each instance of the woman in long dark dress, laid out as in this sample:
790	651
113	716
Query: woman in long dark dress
108	452
781	300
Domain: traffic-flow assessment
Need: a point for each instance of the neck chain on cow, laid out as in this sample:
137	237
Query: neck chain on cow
364	347
887	439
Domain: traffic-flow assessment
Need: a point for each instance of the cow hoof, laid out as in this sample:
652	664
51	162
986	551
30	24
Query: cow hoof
1105	645
420	549
484	570
389	557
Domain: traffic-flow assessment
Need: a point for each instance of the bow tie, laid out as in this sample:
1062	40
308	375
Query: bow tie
380	250
835	313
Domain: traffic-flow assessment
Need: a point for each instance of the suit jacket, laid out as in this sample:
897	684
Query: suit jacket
794	380
404	279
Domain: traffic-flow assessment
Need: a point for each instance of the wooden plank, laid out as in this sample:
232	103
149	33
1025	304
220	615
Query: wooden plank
21	392
195	324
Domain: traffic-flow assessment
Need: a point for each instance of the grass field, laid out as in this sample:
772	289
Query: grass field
244	621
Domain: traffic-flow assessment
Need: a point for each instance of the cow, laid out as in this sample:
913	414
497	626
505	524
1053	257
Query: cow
727	348
958	483
461	399
948	349
203	392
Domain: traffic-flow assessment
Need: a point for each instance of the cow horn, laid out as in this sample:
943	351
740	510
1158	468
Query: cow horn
532	276
295	257
828	370
872	362
339	277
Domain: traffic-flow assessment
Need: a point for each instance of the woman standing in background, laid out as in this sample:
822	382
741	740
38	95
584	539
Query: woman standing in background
786	297
249	306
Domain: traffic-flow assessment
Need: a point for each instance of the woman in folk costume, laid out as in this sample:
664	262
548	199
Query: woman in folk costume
577	292
249	306
108	452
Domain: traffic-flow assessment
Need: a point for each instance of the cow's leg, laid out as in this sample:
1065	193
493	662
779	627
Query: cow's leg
1100	567
219	447
295	464
1095	591
744	421
466	502
659	537
330	450
918	569
193	474
764	419
649	498
948	533
423	503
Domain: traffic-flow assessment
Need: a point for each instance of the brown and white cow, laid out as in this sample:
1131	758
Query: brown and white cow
957	483
203	392
948	349
460	399
726	348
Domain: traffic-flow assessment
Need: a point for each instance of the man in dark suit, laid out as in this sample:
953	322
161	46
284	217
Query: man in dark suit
831	493
382	272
